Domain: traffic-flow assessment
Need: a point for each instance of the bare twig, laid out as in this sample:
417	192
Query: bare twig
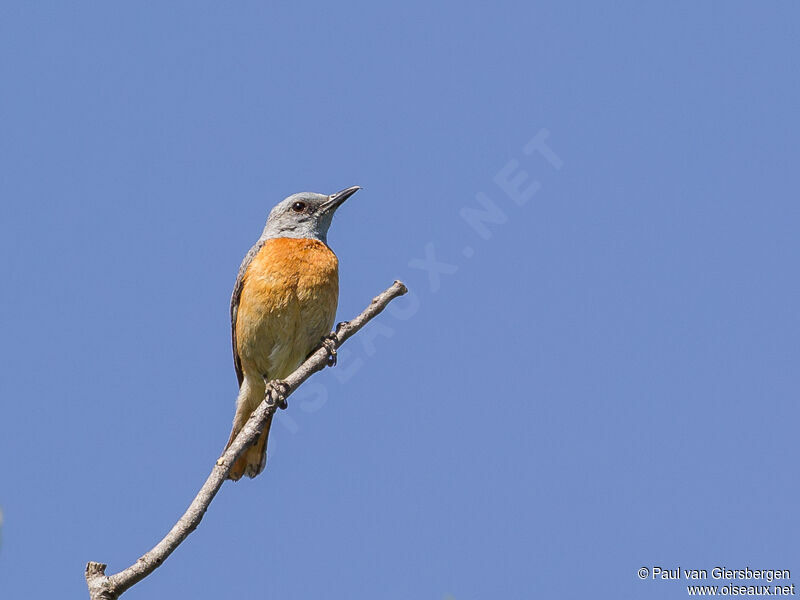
110	587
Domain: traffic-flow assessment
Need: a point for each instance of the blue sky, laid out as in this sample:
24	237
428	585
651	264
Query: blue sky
600	379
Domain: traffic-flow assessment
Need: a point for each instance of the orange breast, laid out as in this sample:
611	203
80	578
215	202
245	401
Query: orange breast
288	302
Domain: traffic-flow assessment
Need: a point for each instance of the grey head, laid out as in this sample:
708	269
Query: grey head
305	215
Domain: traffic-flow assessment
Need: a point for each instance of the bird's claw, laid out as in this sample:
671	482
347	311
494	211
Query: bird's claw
329	342
277	390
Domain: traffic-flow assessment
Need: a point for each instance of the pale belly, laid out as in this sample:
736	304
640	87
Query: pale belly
273	343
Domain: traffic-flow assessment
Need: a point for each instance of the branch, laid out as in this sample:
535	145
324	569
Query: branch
110	587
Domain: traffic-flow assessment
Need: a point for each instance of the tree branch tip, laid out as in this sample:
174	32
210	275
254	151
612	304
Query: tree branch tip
94	569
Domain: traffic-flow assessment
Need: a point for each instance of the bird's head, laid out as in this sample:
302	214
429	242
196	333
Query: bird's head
305	215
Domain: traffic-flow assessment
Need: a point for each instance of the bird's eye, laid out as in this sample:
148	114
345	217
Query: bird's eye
299	206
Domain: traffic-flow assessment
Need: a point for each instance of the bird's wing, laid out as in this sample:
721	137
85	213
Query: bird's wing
237	294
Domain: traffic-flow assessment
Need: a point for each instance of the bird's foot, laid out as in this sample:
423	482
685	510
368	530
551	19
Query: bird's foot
330	342
277	390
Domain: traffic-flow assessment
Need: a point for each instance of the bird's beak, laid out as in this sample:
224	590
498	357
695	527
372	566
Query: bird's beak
337	199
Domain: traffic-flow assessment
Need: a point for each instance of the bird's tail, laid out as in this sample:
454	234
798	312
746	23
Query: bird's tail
252	460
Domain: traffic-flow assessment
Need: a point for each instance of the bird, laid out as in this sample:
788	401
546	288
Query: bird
283	304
